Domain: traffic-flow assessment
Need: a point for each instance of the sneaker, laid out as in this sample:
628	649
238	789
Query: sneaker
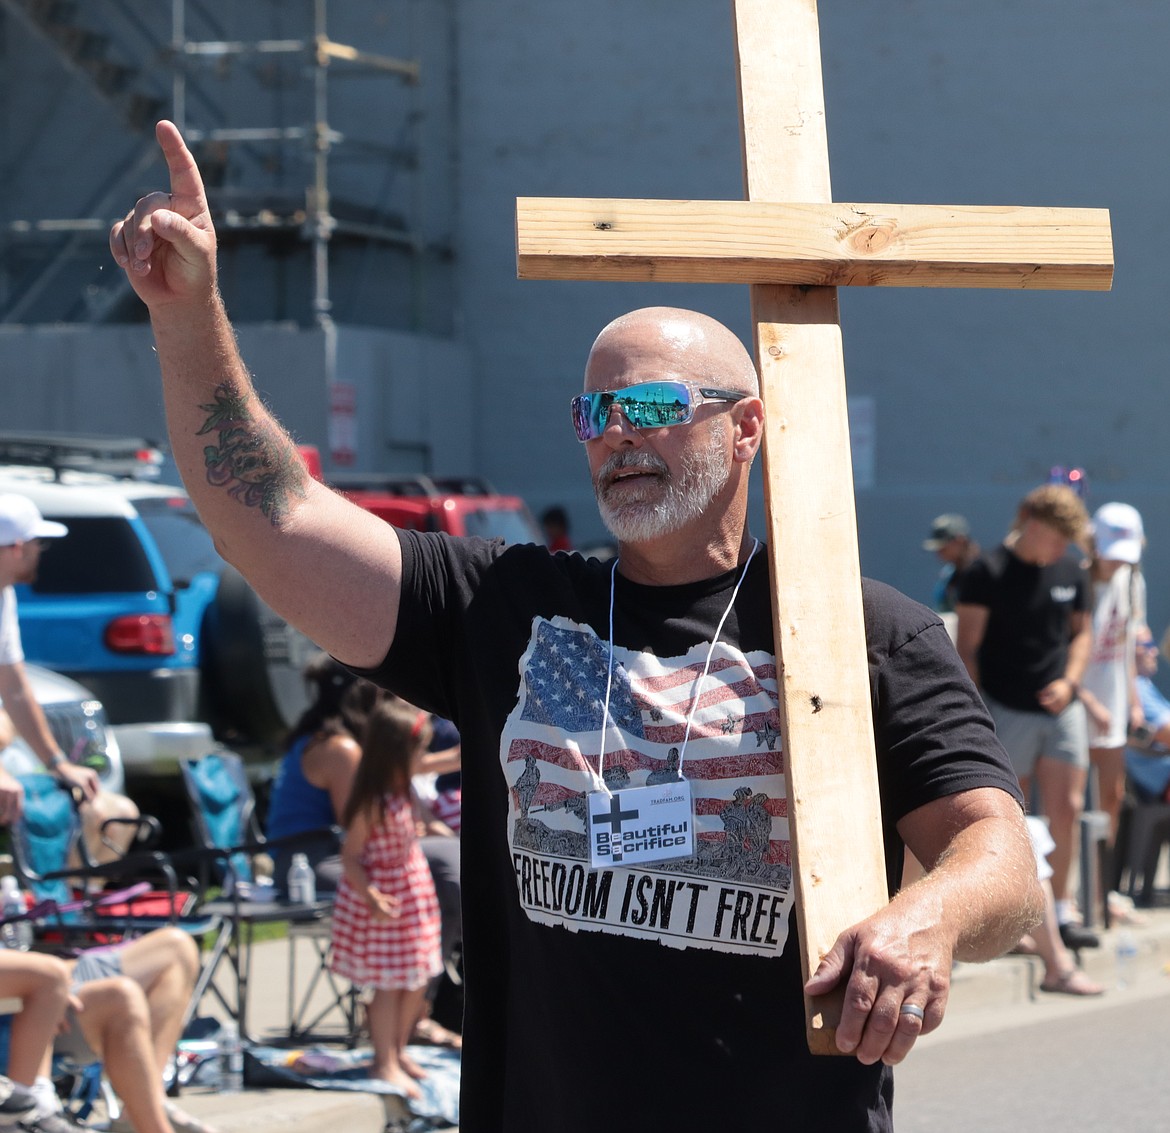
1075	937
16	1102
51	1123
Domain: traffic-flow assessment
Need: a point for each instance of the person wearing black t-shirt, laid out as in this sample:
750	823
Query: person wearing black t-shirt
570	681
1025	634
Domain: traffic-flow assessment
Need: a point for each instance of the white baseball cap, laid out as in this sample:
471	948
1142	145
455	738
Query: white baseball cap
1118	533
21	520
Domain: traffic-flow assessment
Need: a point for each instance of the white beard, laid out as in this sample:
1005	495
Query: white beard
664	505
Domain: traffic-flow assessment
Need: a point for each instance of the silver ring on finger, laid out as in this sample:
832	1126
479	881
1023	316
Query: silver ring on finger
913	1010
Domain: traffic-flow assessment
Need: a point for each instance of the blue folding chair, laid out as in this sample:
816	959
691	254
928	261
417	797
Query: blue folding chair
225	826
49	854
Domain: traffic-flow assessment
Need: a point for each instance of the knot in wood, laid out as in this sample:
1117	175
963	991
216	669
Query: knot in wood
872	237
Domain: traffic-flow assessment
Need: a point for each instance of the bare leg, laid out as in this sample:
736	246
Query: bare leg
7	729
1060	970
1062	793
412	1005
103	805
165	964
42	983
1110	764
116	1023
384	1014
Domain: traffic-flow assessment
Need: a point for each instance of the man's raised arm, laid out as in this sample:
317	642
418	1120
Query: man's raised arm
328	567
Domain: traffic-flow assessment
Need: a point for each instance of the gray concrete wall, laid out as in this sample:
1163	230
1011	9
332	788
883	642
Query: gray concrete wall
975	394
105	380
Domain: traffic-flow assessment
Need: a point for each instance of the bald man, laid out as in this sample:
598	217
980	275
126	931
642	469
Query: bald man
612	925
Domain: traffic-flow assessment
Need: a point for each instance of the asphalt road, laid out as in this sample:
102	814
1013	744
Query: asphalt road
1086	1066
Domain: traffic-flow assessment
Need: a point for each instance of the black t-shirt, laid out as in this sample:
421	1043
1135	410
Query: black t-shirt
666	995
1025	644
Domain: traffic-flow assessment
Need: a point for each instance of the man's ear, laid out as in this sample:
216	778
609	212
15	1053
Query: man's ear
749	429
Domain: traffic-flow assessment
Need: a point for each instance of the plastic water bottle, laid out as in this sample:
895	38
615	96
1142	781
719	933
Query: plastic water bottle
1125	954
231	1059
19	934
302	882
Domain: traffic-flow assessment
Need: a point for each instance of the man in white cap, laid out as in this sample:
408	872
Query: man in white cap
23	533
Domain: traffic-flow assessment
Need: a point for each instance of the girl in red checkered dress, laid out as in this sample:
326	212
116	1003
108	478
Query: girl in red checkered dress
386	915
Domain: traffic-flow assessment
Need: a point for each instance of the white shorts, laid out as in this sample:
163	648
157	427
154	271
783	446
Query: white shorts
1042	845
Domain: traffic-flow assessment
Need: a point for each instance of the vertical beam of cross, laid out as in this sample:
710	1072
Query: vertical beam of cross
834	811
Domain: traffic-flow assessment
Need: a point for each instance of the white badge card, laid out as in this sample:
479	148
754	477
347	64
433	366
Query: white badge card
642	824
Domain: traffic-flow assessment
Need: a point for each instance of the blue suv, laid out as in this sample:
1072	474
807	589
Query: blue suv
136	604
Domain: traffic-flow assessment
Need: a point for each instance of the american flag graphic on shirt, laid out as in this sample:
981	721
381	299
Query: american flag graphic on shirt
734	893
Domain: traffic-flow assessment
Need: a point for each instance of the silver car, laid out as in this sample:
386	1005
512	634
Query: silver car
78	721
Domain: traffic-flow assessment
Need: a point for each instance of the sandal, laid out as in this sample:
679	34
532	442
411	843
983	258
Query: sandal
429	1033
1122	911
1072	982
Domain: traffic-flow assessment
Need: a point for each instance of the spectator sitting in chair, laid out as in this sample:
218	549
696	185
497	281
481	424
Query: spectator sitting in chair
321	756
122	1006
24	536
1147	758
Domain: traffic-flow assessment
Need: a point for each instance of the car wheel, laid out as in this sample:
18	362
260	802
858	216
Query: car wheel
252	663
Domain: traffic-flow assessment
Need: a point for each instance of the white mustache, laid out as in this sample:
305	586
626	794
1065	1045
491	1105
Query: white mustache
621	461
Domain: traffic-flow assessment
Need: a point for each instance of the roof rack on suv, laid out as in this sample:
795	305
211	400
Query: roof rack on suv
124	458
411	484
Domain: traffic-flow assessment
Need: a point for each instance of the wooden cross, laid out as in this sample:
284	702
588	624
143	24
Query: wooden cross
794	256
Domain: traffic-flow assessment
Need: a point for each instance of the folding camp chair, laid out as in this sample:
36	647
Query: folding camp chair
228	837
49	853
47	847
50	856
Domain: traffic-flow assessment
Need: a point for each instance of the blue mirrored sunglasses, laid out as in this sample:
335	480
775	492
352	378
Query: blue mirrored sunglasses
647	405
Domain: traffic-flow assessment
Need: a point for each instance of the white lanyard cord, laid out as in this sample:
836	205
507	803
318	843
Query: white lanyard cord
710	652
608	683
698	683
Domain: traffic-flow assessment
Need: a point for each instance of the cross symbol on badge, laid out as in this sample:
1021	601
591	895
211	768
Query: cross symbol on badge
616	815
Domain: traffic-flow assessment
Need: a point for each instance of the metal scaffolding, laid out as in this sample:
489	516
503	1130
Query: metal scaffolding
320	223
317	217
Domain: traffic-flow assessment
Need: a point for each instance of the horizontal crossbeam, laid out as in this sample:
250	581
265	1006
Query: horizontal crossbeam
824	245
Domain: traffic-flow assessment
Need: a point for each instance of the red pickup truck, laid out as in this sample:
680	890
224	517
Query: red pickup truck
458	505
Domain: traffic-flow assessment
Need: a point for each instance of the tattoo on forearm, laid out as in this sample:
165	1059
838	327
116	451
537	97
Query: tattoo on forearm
253	456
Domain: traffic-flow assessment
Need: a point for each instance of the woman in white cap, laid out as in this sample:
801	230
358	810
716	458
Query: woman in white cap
1109	686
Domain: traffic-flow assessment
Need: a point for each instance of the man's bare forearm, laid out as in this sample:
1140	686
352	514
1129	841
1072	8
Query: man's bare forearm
985	887
27	716
981	880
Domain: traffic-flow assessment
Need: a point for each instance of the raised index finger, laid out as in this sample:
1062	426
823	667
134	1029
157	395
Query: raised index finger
186	183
